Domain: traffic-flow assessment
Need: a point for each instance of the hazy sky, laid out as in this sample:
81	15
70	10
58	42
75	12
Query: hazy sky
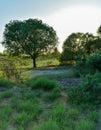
66	16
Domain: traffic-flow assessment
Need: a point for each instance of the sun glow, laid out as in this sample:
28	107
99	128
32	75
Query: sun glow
71	20
75	19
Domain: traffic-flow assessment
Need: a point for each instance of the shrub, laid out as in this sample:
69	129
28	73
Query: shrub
89	64
5	83
43	83
88	91
94	61
6	94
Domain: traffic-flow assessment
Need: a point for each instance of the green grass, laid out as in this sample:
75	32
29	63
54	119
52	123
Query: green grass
47	125
6	94
42	83
86	125
22	119
5	112
40	104
52	96
37	110
5	83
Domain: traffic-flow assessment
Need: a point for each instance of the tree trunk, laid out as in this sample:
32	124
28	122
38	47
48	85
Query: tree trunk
34	62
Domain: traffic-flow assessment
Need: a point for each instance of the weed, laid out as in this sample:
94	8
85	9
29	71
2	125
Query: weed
32	108
22	119
73	113
59	114
47	125
51	96
85	125
5	83
6	94
93	116
5	112
3	125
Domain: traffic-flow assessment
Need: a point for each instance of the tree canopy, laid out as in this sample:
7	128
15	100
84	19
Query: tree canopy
78	45
31	37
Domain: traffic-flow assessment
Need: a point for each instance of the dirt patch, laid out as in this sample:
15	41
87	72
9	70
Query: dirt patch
63	82
49	72
68	82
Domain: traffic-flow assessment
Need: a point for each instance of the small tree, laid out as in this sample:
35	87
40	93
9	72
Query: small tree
31	37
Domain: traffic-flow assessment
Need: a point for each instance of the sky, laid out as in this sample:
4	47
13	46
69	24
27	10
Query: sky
65	16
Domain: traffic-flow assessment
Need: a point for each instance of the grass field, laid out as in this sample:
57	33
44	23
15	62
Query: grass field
25	109
39	103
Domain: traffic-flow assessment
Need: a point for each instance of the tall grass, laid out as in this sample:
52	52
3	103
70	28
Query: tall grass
5	82
42	83
85	125
47	125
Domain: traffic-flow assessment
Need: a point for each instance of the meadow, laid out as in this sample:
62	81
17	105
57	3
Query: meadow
38	102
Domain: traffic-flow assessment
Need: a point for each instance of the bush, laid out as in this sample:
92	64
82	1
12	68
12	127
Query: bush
89	64
88	91
43	83
94	61
5	83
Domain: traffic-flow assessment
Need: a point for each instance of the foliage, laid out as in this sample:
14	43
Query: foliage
11	68
6	94
5	83
42	83
31	37
94	61
88	91
75	46
79	45
89	64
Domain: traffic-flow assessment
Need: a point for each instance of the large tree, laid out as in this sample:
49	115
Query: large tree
76	46
99	31
31	37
